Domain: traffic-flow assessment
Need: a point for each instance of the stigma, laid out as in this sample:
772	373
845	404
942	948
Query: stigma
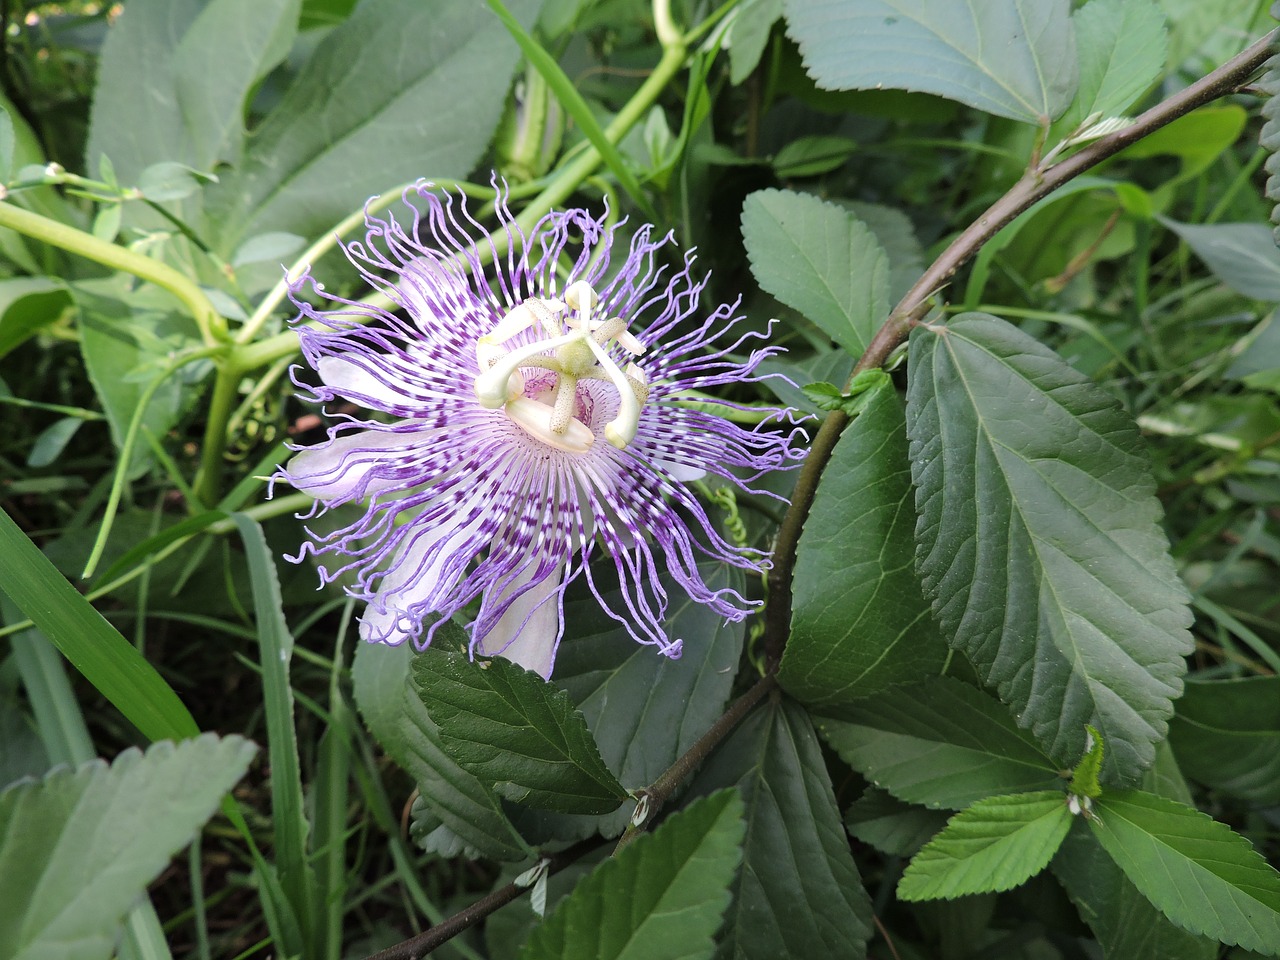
560	341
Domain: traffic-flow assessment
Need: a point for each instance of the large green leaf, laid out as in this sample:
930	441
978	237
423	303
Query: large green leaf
941	743
1126	924
798	893
400	90
1013	58
106	659
136	119
1241	255
644	710
819	260
127	338
1039	540
661	898
514	730
859	622
1122	46
891	825
996	844
1199	873
78	848
470	813
230	46
1226	734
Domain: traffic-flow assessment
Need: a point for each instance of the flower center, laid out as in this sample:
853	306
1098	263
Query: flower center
571	344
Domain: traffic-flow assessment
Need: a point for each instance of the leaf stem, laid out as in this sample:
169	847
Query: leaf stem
1034	185
213	328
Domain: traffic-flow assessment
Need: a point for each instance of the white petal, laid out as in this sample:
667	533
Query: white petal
412	581
336	470
354	382
529	632
680	471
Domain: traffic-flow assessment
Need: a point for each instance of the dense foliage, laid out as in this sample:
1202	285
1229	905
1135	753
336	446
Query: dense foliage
1010	689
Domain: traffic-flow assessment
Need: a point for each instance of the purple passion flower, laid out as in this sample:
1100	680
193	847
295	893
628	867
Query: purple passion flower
531	416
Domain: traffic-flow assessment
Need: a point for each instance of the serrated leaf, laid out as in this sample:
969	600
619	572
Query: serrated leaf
859	621
1226	734
940	743
352	124
818	259
1013	58
511	728
1241	255
1125	923
644	711
1122	45
1170	852
897	237
798	893
996	844
1269	138
661	898
1039	540
395	715
891	825
79	847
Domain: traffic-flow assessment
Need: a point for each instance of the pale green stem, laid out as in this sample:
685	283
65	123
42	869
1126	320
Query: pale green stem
225	388
126	454
213	328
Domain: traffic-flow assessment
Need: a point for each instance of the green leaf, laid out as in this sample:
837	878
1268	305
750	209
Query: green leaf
229	48
8	142
1125	922
395	715
353	124
1242	255
167	180
78	848
1039	540
1122	46
52	440
819	260
798	893
645	710
996	844
1013	58
890	825
941	743
752	23
512	729
275	646
1269	139
859	621
137	66
897	237
1196	139
124	342
812	156
661	898
27	304
1200	874
1226	734
94	647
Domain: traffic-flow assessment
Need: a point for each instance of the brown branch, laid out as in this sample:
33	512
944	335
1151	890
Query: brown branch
650	800
1034	186
447	929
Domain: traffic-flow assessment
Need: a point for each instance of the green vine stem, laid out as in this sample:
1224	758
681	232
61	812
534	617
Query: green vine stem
1036	184
213	328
